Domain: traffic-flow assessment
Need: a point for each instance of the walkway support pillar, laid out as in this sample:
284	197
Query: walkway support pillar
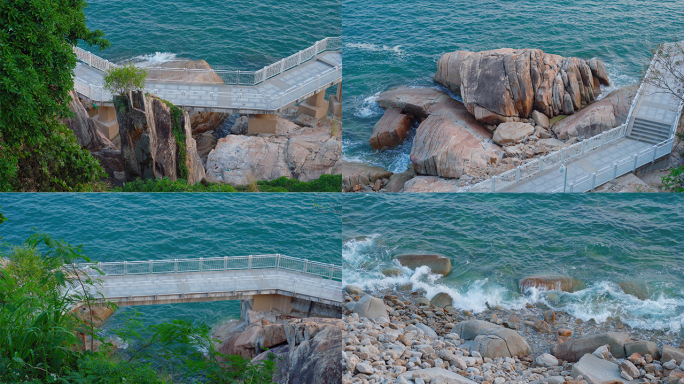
316	106
262	123
335	101
106	121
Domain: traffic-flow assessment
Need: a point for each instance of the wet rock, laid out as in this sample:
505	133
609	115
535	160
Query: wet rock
438	264
398	180
573	350
391	130
354	174
353	289
370	307
550	316
441	300
558	283
512	132
507	84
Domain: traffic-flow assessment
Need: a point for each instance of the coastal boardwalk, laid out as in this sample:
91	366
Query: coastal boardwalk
646	137
267	91
267	281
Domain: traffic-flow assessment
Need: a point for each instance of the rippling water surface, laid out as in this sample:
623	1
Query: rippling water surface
398	43
116	227
244	35
494	241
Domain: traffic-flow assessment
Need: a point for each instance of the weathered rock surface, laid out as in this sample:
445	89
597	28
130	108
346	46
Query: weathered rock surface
431	184
206	141
512	132
391	130
87	134
418	102
558	283
398	180
597	117
573	350
148	145
508	84
317	360
241	126
642	347
441	300
360	174
430	375
370	307
437	263
672	353
201	121
301	153
491	340
595	370
110	160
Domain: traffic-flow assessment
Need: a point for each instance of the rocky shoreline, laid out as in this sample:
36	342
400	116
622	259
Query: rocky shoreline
398	336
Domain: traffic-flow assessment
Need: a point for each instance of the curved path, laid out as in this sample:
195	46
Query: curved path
266	91
217	279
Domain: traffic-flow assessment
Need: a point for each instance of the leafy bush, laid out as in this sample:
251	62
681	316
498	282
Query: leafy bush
326	183
37	151
126	78
674	181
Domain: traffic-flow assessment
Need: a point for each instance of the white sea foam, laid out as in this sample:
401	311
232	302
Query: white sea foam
355	250
376	48
369	108
154	59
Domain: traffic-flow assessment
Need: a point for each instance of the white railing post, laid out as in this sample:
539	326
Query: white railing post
615	171
175	265
306	266
602	138
278	262
593	181
201	262
125	268
572	185
332	271
493	184
318	82
517	174
562	154
635	162
583	147
654	154
151	267
225	263
249	262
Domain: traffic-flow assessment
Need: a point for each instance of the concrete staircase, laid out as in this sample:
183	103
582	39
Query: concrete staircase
649	131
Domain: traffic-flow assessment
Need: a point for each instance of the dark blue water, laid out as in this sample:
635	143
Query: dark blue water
397	43
244	35
495	240
116	227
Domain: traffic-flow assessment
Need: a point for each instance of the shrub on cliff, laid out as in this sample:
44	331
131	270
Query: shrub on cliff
120	80
37	151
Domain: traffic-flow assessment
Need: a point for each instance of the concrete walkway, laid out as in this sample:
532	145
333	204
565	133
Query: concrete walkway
552	180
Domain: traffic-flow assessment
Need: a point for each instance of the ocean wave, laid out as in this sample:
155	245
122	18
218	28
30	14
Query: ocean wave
153	59
369	108
376	48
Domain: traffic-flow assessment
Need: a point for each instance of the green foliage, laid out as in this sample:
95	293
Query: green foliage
326	183
674	181
39	340
121	80
37	151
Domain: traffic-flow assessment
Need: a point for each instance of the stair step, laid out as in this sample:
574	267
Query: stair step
646	138
649	128
651	124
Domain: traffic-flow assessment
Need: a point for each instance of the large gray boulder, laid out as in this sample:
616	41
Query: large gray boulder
596	370
371	308
491	340
573	350
508	84
512	132
87	134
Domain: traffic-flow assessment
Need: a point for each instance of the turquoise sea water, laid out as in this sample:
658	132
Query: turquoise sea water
398	43
115	227
495	240
244	35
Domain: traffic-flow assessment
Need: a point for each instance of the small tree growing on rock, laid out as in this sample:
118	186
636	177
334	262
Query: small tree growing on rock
120	80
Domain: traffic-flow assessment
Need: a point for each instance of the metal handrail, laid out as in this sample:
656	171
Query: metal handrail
228	77
212	264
